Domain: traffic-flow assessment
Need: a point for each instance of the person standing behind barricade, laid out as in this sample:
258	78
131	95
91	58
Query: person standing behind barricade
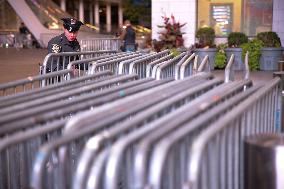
24	32
66	42
129	37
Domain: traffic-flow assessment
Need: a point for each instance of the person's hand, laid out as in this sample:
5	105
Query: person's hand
75	71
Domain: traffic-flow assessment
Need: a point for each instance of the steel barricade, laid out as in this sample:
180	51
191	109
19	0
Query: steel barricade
188	67
124	113
32	82
217	153
113	65
124	66
229	70
126	147
18	151
139	66
15	139
15	112
63	59
51	89
82	67
167	69
90	152
150	66
95	44
69	108
204	65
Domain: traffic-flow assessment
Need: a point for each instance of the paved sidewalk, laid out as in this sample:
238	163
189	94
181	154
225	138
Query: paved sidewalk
21	63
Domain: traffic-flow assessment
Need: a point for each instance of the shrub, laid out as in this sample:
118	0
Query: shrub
220	58
253	47
236	39
269	39
171	36
206	37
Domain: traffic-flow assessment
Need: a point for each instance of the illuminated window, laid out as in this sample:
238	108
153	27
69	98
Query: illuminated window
225	16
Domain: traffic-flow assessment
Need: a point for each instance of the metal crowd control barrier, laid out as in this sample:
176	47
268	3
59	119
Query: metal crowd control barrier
31	138
166	69
186	68
230	72
217	153
204	65
64	58
113	65
32	82
34	106
122	167
95	44
85	168
126	109
69	108
51	89
139	66
149	67
84	66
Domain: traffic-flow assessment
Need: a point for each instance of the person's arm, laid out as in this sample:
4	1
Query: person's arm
122	36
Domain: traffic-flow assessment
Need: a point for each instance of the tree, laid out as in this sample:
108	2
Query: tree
137	11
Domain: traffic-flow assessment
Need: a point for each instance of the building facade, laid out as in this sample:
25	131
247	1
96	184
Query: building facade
105	14
247	16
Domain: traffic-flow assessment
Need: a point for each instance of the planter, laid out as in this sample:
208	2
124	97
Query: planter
269	58
211	52
238	62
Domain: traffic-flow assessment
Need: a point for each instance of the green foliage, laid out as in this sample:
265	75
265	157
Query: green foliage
220	58
137	12
269	39
171	35
174	52
206	37
235	39
253	47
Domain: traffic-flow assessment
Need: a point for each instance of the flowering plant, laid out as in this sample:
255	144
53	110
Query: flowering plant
171	36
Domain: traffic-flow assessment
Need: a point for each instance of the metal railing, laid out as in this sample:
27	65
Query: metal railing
126	109
33	82
61	60
217	154
95	44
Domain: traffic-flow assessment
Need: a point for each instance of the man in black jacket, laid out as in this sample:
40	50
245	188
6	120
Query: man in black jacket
129	36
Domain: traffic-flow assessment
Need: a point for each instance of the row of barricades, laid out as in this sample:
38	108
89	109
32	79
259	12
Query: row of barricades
145	65
124	130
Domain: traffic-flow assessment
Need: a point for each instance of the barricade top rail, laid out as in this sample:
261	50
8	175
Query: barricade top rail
5	100
186	63
178	116
30	79
114	132
168	67
79	91
203	64
170	62
199	144
38	99
48	56
180	63
247	71
149	66
60	109
89	60
229	71
89	115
